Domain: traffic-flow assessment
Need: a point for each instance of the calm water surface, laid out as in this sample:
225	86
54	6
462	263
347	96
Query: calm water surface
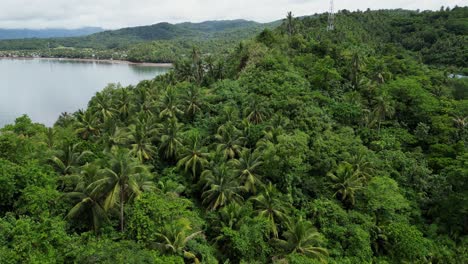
44	88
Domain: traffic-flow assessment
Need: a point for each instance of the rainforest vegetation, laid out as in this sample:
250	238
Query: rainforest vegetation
300	146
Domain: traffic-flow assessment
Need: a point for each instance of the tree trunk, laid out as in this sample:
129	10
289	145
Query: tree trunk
121	209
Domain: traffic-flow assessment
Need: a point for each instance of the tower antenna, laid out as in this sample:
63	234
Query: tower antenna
331	17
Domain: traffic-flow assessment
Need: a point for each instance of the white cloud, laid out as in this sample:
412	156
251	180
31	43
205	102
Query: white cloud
124	13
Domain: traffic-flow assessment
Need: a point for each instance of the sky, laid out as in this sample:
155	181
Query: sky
112	14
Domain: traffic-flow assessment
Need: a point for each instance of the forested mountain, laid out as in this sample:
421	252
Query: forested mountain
47	33
122	38
301	145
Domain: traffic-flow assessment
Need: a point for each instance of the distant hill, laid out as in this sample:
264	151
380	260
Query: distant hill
125	37
47	33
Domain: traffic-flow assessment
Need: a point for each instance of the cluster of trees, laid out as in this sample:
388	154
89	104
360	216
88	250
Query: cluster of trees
300	146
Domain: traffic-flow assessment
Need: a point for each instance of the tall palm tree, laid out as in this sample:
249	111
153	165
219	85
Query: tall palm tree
170	139
362	166
49	140
231	215
270	205
87	124
302	238
246	169
170	104
69	158
346	181
256	111
174	237
120	183
141	139
230	143
123	102
383	107
102	105
192	101
193	158
221	188
87	205
290	25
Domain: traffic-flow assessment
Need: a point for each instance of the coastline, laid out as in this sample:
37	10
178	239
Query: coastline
109	61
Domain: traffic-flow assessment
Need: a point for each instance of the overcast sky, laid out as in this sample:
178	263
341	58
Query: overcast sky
124	13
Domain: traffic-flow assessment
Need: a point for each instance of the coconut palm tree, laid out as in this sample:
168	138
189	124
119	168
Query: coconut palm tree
269	204
383	107
170	139
302	238
193	158
87	124
140	138
246	169
87	206
221	188
346	181
290	25
362	166
170	105
123	102
192	101
230	143
256	111
69	158
102	105
231	215
121	180
174	236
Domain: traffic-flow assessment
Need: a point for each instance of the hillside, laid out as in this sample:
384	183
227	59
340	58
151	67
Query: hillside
47	33
122	38
300	145
161	42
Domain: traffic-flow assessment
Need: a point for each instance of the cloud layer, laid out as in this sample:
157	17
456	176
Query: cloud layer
124	13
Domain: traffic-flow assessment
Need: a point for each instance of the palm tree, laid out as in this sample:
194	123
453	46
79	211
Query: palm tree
49	140
69	158
193	158
192	101
346	181
141	139
230	143
231	215
170	104
123	102
87	205
87	124
302	238
270	205
174	237
221	188
246	169
383	108
256	111
114	137
362	166
170	139
290	21
102	105
121	181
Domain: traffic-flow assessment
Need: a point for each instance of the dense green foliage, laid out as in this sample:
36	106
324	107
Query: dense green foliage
300	146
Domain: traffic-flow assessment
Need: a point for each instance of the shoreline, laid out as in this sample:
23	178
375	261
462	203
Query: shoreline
109	61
